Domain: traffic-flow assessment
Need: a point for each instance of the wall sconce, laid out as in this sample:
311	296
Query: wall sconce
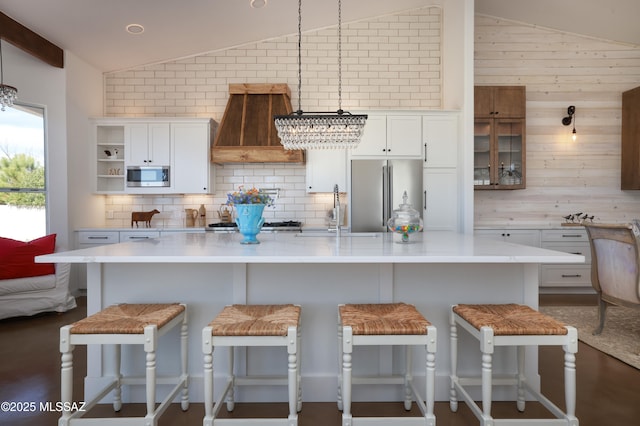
569	118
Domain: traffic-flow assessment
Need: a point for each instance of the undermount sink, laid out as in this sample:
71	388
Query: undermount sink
342	234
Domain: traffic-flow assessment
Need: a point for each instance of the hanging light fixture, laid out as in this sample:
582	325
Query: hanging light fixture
320	130
571	111
8	94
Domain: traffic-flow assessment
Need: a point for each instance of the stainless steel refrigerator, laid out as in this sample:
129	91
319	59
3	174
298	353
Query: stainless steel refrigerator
376	190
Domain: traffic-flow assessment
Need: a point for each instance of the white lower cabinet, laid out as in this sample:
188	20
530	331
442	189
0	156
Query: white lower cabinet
554	277
166	232
527	237
88	239
570	240
137	235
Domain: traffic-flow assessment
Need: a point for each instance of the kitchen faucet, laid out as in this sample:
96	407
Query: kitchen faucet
336	210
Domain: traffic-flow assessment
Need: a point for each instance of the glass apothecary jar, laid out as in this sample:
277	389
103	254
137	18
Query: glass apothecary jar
405	220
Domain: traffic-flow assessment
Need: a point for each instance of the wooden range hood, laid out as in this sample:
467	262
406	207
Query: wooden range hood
247	133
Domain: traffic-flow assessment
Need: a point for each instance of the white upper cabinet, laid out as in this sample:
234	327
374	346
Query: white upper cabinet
325	169
183	144
391	135
440	140
148	144
192	171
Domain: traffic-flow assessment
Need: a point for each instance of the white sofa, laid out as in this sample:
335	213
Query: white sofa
33	295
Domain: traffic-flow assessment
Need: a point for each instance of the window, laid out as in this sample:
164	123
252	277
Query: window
23	198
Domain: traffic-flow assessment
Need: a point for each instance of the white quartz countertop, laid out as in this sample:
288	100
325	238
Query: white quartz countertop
431	247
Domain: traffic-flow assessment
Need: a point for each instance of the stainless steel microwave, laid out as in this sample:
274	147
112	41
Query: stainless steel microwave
148	176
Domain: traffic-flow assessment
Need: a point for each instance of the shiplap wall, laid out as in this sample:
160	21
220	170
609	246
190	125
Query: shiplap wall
559	70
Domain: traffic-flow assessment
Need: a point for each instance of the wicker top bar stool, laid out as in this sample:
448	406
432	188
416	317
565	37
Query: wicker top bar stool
386	324
126	324
245	326
512	325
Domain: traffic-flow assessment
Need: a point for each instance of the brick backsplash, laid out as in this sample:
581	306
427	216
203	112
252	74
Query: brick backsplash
389	62
293	202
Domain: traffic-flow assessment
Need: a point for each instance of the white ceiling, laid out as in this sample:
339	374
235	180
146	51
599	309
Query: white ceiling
94	30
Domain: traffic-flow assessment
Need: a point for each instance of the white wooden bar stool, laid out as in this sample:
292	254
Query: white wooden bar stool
396	324
126	324
512	325
253	325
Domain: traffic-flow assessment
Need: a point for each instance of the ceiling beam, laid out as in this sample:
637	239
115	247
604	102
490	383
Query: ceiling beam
32	43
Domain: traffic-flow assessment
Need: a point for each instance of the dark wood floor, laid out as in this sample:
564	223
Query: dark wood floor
608	391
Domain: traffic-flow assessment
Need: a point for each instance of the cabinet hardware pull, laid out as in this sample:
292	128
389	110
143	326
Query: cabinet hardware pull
138	238
425	200
98	238
571	235
576	252
425	152
571	275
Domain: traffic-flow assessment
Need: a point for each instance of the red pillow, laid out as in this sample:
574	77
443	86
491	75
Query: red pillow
16	257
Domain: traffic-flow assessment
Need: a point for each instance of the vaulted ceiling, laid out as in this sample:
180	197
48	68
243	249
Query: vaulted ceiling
94	30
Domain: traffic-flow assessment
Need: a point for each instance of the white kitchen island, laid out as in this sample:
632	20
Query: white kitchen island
208	271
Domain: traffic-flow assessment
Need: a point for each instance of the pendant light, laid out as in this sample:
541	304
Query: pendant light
320	130
8	94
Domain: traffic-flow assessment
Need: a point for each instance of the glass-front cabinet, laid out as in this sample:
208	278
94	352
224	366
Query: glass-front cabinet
499	137
499	154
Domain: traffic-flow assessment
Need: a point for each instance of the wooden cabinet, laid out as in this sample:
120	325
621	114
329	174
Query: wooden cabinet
570	240
325	169
630	175
499	137
499	102
391	135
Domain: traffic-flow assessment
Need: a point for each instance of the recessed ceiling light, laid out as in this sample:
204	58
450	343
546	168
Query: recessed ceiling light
135	29
257	4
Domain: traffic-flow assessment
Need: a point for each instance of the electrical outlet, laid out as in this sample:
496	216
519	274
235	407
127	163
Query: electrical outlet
109	214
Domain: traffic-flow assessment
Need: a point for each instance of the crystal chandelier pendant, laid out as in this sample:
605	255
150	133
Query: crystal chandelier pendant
320	130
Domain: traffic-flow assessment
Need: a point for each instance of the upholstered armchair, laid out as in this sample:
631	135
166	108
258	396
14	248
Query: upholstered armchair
615	266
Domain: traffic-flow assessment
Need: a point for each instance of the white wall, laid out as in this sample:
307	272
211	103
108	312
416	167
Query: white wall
84	100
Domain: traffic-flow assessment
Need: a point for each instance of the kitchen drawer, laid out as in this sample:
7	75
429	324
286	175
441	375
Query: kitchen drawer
565	276
527	237
137	235
183	231
581	248
98	237
565	235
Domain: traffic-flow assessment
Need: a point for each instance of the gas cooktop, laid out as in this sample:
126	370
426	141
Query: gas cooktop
290	225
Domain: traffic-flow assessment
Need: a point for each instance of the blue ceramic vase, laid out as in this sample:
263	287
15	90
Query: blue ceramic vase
249	219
